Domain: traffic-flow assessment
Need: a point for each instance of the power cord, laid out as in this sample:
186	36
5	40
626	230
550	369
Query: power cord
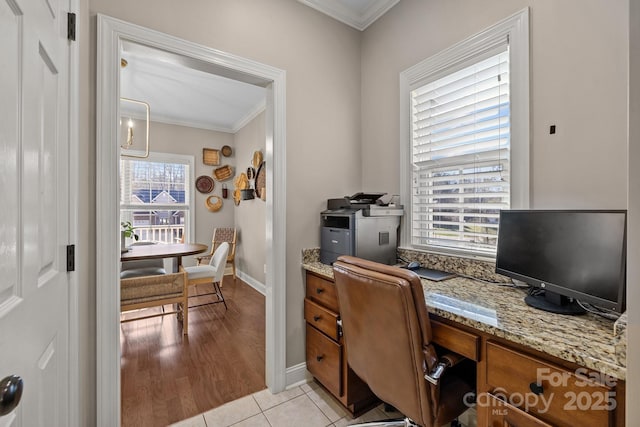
512	284
399	258
599	311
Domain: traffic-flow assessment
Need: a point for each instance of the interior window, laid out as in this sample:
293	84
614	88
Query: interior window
466	148
155	196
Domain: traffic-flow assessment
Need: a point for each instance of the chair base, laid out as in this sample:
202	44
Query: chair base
397	422
216	291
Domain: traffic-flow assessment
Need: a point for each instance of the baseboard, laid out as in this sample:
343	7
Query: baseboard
297	375
258	286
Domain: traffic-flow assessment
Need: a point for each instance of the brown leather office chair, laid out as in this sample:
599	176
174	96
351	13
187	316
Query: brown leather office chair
387	336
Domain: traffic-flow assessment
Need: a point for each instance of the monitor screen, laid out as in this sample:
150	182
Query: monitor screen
577	254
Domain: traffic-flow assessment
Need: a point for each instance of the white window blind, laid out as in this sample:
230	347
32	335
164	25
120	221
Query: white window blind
460	155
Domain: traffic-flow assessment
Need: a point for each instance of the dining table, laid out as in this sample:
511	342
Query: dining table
173	250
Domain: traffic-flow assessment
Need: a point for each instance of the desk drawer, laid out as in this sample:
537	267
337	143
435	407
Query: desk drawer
456	340
551	393
321	318
322	291
324	360
502	414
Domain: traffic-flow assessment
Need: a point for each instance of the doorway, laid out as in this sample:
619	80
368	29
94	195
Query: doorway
111	33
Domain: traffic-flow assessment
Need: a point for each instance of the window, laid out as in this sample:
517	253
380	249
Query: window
156	196
465	140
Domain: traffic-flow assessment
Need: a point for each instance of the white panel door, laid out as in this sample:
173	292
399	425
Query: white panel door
34	196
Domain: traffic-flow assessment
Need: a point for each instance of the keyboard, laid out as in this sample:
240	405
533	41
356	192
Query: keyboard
434	275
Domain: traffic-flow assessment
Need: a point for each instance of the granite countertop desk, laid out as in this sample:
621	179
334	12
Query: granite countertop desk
498	310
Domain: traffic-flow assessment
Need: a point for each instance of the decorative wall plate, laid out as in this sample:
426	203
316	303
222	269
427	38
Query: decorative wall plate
204	184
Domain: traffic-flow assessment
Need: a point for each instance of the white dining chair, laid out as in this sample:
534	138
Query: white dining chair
210	273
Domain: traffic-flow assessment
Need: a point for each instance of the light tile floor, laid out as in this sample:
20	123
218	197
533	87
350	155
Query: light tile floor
307	405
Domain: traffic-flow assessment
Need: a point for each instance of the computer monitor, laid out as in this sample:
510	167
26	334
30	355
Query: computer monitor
570	254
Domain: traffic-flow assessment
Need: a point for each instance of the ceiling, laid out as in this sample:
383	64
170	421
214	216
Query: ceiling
186	92
358	14
189	92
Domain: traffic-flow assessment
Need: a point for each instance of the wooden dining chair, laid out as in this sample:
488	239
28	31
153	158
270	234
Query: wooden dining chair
220	235
156	291
211	273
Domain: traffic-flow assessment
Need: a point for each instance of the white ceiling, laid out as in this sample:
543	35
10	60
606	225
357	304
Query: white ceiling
189	92
357	13
185	92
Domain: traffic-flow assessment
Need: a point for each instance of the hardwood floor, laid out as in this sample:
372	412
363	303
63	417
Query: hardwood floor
167	377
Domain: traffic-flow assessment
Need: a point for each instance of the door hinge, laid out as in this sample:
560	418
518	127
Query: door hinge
71	257
71	26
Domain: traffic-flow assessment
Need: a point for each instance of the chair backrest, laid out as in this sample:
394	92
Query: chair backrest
224	234
387	334
149	289
219	260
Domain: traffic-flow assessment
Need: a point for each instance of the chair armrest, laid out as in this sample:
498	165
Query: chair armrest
446	361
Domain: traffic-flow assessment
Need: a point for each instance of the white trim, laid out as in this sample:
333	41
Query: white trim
276	240
342	13
298	375
107	214
255	284
242	122
235	127
111	33
74	171
250	116
516	28
156	118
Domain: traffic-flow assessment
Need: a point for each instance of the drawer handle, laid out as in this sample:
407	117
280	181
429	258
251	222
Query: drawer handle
316	318
319	358
536	388
319	290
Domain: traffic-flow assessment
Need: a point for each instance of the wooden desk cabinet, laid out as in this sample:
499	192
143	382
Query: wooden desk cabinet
521	387
325	353
517	386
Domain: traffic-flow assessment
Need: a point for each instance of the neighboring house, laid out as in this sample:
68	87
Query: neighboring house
158	217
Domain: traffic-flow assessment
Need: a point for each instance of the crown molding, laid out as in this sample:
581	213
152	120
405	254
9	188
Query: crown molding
347	15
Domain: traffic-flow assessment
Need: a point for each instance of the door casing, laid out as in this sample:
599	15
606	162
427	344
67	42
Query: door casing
111	32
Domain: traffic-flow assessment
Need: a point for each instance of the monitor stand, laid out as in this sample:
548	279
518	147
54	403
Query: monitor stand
554	303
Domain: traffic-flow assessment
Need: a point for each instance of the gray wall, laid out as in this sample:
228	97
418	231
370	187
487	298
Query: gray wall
250	214
166	138
339	142
578	54
322	60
